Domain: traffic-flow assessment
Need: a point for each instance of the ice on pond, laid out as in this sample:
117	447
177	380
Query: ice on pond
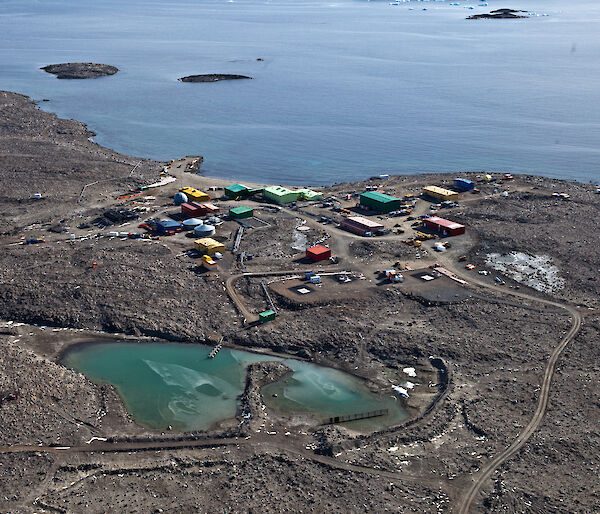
536	271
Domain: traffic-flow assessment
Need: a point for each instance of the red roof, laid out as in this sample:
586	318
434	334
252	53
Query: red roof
451	225
318	250
193	206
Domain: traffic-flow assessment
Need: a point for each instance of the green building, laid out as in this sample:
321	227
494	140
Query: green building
236	191
241	212
309	195
265	316
379	202
280	194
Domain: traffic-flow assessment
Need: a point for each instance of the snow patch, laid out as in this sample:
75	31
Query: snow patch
536	271
410	372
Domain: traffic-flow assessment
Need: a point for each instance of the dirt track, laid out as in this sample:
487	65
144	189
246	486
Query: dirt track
484	474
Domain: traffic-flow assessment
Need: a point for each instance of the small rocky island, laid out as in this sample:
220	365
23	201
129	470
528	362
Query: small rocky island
80	70
212	77
503	14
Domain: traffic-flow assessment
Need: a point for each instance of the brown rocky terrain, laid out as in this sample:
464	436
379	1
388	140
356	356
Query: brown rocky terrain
495	341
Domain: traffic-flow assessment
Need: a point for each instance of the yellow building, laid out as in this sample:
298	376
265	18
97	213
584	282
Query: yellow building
209	246
194	195
441	193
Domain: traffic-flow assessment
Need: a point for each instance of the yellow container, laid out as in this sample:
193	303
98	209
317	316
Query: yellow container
209	246
194	194
441	193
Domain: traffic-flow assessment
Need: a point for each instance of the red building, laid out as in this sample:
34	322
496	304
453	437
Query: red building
318	253
209	208
445	227
192	209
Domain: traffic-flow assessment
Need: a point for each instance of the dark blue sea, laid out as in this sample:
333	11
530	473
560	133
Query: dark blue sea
346	88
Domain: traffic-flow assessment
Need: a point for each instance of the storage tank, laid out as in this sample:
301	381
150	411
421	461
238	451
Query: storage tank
180	198
192	223
204	230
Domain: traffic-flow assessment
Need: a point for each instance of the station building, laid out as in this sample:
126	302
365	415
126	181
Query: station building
318	253
361	226
443	226
463	184
281	195
241	212
237	191
379	202
194	194
440	193
209	246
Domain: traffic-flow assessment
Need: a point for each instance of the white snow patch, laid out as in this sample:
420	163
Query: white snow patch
410	372
400	390
300	242
536	271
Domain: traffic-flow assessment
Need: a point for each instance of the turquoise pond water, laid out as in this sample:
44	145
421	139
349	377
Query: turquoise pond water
168	384
346	88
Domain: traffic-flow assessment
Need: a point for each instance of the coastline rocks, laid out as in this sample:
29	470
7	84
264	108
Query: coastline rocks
80	70
503	14
212	77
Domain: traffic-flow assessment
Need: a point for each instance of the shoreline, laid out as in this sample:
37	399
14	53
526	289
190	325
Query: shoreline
43	105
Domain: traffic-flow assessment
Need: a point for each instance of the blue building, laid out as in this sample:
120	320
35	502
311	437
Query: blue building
463	184
168	227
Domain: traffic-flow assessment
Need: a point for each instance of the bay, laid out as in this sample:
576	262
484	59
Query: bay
346	89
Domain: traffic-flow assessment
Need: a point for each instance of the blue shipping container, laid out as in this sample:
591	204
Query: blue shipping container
463	184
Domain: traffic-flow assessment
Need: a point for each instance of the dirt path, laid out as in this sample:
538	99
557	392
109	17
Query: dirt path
106	447
250	317
486	471
484	474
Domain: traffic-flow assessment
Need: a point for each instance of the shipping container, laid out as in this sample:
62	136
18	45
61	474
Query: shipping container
318	253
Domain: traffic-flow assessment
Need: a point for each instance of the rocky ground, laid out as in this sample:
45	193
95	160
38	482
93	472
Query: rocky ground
494	346
80	70
212	77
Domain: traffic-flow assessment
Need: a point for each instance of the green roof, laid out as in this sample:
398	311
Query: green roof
309	194
241	209
267	315
279	191
379	197
236	188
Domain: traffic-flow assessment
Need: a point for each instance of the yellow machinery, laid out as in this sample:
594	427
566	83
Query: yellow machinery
208	262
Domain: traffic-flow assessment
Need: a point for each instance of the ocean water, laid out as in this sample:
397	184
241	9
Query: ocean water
177	385
347	88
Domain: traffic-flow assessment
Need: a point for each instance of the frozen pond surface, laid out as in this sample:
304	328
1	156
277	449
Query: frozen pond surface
536	271
177	385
